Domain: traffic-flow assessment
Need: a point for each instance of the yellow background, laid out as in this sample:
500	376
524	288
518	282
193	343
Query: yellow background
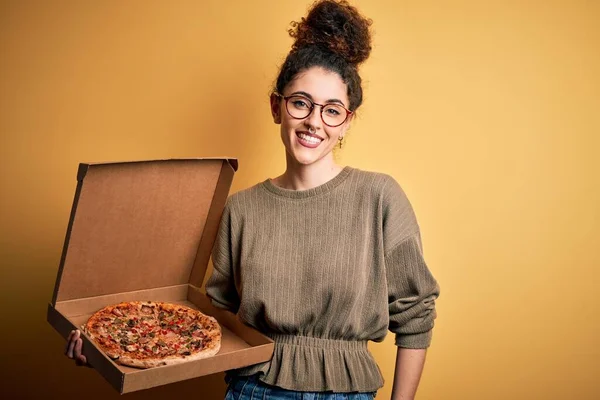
486	112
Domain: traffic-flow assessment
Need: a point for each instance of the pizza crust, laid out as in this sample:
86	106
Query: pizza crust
170	360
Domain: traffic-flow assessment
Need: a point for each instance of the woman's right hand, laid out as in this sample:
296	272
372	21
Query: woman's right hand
74	348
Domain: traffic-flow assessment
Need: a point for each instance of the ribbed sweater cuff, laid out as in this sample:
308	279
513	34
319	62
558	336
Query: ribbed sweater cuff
415	341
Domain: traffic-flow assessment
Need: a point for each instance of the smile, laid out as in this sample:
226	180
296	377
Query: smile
308	140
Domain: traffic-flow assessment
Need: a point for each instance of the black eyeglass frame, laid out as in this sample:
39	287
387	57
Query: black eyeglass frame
286	98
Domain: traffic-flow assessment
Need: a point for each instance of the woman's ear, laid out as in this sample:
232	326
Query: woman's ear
276	108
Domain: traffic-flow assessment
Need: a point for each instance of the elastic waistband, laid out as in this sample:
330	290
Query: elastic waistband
307	341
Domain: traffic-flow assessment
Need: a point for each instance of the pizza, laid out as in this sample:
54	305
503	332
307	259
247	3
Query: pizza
149	334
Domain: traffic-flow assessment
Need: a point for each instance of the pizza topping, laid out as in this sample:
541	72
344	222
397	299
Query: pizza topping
147	309
170	335
197	333
144	340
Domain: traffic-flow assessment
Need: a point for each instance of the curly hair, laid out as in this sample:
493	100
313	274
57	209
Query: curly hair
333	36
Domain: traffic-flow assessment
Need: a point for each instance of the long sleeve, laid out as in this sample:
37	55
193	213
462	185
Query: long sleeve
221	286
412	289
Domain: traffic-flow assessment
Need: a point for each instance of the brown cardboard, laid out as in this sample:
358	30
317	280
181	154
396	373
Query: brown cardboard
144	231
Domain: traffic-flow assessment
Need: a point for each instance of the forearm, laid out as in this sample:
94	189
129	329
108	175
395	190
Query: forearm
409	366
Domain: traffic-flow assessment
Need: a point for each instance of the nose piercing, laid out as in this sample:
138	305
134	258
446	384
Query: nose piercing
311	130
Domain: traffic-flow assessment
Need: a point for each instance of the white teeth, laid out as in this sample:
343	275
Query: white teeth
309	139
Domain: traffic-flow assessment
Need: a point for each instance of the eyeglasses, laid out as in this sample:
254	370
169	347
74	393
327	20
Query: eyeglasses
300	107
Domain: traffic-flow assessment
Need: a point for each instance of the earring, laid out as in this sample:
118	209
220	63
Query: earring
341	140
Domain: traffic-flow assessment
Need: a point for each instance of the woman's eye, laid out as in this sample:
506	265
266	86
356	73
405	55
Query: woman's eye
300	104
333	111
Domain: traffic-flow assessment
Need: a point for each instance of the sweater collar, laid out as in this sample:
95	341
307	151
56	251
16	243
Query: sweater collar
302	194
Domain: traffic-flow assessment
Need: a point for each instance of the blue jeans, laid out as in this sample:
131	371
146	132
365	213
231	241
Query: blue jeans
250	388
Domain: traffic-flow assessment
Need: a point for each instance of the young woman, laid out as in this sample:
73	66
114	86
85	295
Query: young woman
323	258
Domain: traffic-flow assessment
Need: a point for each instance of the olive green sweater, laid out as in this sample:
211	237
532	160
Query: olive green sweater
322	271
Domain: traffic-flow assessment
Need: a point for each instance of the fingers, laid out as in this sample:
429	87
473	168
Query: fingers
69	341
74	348
81	360
77	348
73	337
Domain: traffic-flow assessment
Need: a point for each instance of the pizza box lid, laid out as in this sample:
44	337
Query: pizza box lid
141	225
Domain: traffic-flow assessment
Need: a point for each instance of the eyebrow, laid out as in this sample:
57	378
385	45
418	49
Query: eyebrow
311	98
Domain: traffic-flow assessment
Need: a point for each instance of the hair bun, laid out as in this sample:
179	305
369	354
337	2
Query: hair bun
336	26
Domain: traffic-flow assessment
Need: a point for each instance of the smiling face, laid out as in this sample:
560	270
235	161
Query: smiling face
309	141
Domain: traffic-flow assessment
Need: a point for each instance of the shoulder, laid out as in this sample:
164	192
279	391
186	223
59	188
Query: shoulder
381	185
398	217
244	198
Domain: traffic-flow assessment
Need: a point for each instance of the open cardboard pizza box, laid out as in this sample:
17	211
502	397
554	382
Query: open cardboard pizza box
144	231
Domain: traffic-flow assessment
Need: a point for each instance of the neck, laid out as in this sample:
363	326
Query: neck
303	177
